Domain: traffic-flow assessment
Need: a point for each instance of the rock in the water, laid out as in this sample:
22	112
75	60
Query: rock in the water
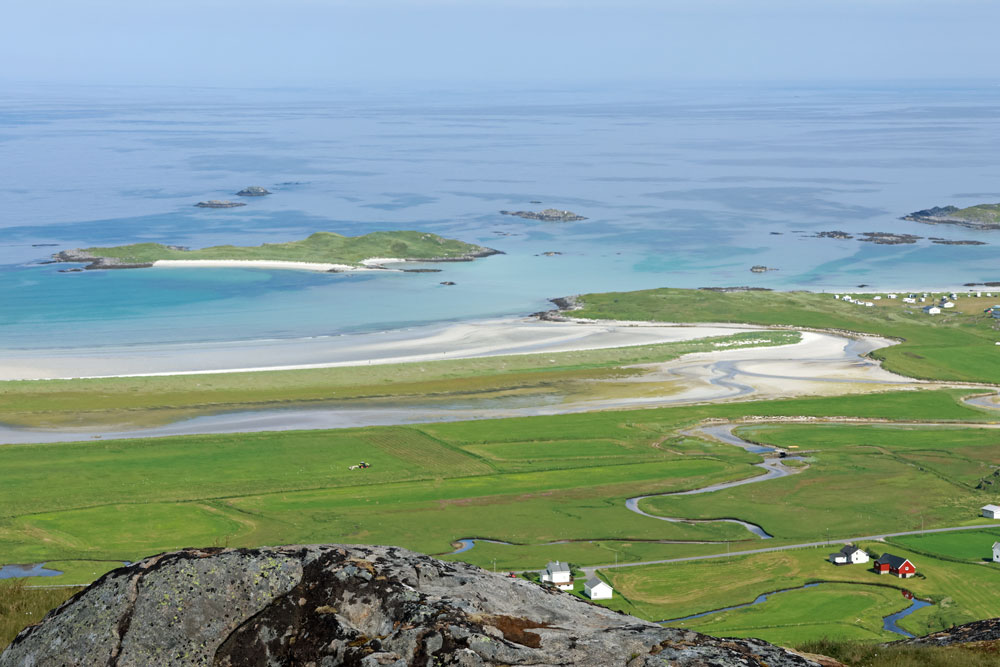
253	191
350	605
219	203
547	215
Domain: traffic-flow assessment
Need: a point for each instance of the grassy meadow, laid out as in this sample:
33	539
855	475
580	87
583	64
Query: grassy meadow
861	480
850	608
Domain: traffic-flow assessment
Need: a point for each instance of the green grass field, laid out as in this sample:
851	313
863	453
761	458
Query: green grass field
954	346
972	546
862	480
146	401
322	247
853	609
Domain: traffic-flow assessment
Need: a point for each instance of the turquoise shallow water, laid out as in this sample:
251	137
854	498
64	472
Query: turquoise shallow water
681	187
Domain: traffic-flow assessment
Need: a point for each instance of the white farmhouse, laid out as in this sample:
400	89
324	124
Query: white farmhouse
595	589
559	575
996	552
907	299
891	296
947	304
991	511
849	555
932	310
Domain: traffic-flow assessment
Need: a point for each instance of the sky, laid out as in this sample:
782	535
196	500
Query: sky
248	43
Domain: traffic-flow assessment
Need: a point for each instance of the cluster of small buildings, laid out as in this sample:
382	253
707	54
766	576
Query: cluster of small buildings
884	564
559	575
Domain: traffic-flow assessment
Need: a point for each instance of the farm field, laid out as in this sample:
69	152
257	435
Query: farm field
133	402
974	546
953	346
927	475
960	593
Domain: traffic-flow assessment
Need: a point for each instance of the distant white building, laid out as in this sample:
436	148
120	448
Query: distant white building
849	555
891	296
876	298
991	511
559	575
907	299
932	310
947	304
595	589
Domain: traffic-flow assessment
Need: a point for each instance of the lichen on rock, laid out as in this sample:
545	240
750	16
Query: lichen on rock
332	605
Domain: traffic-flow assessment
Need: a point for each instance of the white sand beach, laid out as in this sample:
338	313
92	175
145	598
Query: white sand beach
265	264
428	343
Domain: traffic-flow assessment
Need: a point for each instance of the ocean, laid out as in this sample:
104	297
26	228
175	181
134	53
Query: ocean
681	186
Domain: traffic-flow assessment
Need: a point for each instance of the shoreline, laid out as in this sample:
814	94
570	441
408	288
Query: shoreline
461	340
372	264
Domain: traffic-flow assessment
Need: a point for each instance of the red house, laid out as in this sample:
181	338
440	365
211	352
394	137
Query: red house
897	565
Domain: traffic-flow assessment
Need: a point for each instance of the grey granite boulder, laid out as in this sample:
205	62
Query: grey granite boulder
322	606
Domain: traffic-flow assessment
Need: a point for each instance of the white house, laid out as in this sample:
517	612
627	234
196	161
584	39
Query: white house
849	555
991	511
869	304
595	589
558	574
907	299
996	552
891	296
932	310
947	304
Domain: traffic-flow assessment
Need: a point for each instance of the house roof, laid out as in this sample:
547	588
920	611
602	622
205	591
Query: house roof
594	581
892	561
556	566
849	549
993	508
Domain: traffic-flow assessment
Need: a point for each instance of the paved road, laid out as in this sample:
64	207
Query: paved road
788	547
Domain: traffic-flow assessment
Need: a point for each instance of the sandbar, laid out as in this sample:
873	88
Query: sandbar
426	343
261	264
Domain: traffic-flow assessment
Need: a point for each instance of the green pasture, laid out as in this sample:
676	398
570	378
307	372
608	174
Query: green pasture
973	546
953	346
861	480
528	481
831	611
145	401
960	593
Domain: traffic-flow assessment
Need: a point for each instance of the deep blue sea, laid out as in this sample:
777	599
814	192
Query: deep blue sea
683	187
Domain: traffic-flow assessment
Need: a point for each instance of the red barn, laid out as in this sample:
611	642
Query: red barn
897	565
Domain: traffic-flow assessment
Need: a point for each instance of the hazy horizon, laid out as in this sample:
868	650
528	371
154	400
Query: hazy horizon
305	43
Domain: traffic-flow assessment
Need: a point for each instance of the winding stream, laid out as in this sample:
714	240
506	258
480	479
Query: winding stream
889	623
774	469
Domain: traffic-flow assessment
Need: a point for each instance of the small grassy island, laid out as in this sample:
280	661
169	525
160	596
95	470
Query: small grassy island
980	216
321	248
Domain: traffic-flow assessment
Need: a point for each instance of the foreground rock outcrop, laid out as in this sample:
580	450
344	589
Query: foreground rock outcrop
350	605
